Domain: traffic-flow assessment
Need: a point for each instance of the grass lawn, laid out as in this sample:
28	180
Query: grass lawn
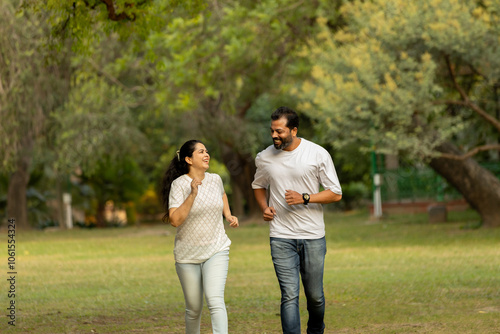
398	275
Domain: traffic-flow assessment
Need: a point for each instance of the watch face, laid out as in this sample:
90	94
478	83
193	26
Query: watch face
306	197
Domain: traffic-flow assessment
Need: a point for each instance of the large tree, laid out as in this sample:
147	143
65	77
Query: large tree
65	109
417	78
33	81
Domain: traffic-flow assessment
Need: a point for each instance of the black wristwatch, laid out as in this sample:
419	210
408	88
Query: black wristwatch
306	198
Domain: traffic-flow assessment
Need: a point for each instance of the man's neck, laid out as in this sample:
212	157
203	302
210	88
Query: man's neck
294	145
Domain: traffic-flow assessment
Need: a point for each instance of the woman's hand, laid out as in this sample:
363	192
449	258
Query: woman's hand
177	216
233	221
194	186
226	212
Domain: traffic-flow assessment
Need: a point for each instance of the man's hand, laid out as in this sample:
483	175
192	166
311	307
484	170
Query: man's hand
269	213
293	198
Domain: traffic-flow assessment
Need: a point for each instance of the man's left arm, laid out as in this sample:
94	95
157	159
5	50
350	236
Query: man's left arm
323	197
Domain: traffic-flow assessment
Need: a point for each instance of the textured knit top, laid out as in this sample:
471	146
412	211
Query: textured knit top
202	234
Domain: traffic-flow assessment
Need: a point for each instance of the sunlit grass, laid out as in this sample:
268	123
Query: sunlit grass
397	275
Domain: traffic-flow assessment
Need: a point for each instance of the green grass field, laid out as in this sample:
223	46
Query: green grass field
400	275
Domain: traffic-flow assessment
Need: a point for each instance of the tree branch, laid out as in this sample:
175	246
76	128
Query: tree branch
117	82
451	102
291	7
243	110
113	16
107	75
2	91
471	152
87	4
466	101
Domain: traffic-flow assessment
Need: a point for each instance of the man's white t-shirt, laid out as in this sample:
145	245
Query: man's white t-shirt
202	234
303	170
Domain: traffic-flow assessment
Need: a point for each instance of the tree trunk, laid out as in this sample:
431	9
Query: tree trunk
480	188
100	214
241	168
17	206
237	201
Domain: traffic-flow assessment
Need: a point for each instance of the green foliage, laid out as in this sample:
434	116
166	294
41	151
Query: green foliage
143	76
31	81
149	203
39	214
79	20
221	65
120	181
353	195
95	122
383	81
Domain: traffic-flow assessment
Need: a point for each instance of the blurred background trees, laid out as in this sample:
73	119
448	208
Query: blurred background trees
97	95
419	80
34	81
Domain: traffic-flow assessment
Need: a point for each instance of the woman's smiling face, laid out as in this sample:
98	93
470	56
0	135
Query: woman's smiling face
200	159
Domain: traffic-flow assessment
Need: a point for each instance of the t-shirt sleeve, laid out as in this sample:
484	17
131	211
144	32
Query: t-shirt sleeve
260	180
176	196
328	175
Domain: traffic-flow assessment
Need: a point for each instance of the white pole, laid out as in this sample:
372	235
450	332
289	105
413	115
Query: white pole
377	197
67	208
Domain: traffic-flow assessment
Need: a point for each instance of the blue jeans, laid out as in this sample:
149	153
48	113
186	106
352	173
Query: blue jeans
208	277
293	258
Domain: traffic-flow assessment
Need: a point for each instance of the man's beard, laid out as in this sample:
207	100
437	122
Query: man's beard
285	142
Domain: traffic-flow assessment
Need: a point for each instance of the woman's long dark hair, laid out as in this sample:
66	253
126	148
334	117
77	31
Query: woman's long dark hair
178	166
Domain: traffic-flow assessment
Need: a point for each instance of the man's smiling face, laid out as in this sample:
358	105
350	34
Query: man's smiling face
281	134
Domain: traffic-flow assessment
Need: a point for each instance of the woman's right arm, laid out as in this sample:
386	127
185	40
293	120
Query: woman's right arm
177	216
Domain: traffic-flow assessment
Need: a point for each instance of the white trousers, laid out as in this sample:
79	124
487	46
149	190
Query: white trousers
209	279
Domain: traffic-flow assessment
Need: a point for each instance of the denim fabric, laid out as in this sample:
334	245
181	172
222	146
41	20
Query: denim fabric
209	278
292	259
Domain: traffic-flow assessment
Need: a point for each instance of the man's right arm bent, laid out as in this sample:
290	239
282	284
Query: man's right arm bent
268	212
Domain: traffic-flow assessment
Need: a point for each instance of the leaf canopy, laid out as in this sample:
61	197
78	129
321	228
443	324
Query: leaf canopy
384	82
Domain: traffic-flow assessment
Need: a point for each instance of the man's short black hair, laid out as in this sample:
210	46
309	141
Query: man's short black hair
291	117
